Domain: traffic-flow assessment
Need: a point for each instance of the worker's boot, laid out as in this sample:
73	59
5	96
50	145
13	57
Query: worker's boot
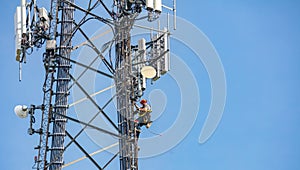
148	124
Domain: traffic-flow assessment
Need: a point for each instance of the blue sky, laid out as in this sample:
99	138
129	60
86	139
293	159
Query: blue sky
258	43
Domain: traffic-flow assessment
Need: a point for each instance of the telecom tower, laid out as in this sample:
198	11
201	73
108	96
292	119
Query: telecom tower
130	68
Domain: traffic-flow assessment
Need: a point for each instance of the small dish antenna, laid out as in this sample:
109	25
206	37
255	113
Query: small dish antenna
21	111
148	72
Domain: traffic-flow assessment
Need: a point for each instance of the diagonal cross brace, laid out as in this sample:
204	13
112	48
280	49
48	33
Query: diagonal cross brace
84	151
86	66
93	101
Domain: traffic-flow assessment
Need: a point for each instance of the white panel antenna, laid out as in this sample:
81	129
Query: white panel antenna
44	19
43	14
18	33
158	68
20	28
166	64
149	5
142	45
23	16
157	6
144	85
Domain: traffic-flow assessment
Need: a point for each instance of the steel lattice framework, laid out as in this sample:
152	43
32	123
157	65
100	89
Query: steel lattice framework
63	79
124	68
125	88
60	67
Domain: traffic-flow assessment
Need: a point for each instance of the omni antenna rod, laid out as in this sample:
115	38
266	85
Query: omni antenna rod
174	14
20	71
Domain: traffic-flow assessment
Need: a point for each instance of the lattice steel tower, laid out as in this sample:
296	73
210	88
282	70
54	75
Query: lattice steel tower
125	89
35	26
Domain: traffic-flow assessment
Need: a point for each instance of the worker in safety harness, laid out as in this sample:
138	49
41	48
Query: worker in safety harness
143	116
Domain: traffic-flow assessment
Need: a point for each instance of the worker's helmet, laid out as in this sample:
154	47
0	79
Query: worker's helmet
143	101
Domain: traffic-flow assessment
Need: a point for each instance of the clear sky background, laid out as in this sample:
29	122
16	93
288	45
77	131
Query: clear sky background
258	43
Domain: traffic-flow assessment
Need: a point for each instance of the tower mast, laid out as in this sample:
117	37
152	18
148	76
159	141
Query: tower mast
62	82
124	88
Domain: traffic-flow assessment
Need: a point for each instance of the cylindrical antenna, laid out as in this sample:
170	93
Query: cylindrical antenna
168	21
20	71
174	14
158	25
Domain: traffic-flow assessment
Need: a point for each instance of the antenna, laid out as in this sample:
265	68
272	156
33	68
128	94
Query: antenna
132	64
174	13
